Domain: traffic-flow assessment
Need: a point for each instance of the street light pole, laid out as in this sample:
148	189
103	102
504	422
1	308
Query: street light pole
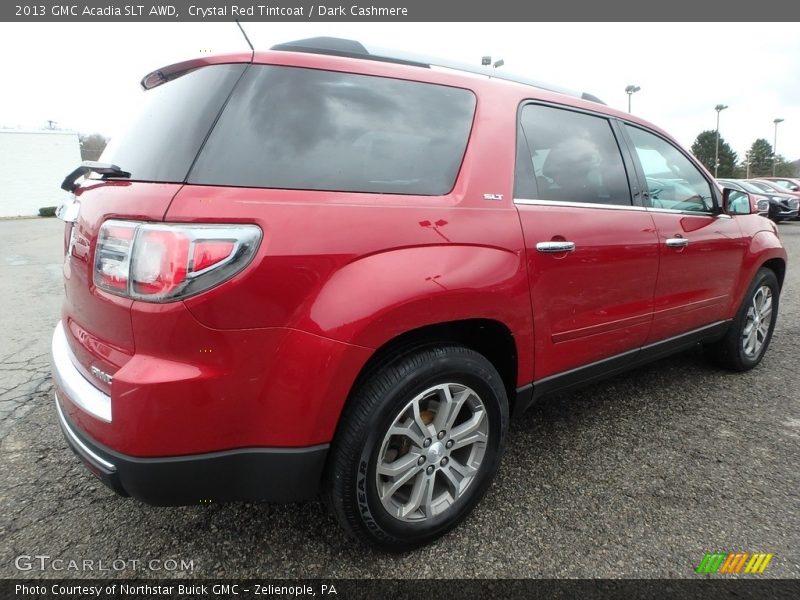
775	147
719	108
631	90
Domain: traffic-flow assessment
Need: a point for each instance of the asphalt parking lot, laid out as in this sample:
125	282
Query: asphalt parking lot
638	476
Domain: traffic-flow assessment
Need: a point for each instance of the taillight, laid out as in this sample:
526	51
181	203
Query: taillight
165	262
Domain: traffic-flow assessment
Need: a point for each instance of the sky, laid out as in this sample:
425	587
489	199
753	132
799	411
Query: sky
85	76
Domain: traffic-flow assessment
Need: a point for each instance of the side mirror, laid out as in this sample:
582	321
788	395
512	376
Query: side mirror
760	205
735	202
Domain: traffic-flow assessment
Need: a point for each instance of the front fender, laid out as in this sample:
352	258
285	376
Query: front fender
764	245
378	297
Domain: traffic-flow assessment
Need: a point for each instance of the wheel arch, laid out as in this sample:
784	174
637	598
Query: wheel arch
491	338
778	266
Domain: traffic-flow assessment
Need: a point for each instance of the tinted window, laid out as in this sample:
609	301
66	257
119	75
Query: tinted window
162	141
672	180
293	128
574	157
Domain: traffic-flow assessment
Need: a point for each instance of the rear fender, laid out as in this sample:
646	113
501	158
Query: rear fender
374	299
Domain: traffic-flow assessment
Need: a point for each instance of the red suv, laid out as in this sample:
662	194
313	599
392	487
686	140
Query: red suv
320	269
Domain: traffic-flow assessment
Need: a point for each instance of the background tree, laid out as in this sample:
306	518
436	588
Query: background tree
92	146
760	156
704	148
783	168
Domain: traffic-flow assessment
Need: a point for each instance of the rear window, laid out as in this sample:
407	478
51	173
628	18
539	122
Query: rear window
295	128
161	143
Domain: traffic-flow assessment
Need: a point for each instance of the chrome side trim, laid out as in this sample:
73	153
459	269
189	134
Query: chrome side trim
674	211
561	203
72	381
535	202
77	442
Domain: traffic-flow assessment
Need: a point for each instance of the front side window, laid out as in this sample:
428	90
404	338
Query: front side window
571	157
307	129
673	182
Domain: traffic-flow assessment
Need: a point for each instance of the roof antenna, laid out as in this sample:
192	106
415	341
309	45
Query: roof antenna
247	39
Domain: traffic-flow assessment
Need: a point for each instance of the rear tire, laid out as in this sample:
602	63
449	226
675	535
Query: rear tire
747	340
417	447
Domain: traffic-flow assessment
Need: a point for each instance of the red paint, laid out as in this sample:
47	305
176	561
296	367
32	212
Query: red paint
268	357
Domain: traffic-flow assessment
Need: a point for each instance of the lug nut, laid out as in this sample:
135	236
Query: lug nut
441	435
449	444
444	461
429	470
426	443
421	460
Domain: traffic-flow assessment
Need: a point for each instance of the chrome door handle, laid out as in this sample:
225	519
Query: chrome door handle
677	242
555	247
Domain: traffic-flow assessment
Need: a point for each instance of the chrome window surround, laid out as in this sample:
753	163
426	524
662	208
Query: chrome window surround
561	203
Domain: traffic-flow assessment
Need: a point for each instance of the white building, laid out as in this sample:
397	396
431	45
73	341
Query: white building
32	166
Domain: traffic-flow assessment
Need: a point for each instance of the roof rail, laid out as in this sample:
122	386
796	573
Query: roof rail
354	49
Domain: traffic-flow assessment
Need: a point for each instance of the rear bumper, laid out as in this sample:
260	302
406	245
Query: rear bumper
271	474
68	378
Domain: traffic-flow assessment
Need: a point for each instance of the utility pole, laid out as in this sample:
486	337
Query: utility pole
719	108
775	147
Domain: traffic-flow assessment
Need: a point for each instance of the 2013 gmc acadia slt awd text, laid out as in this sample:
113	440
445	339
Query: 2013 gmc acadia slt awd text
318	269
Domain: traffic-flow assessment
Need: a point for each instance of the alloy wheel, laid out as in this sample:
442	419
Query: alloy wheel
431	452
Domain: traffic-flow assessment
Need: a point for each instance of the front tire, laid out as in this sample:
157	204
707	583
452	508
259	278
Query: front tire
748	338
417	447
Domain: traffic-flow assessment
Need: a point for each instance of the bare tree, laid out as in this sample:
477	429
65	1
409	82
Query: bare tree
92	146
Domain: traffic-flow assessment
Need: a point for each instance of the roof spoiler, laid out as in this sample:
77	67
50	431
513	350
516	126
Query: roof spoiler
90	166
354	49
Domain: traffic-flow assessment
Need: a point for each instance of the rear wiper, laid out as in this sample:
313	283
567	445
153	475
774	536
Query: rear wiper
91	166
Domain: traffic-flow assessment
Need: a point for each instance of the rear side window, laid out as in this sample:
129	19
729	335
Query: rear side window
572	157
161	143
294	128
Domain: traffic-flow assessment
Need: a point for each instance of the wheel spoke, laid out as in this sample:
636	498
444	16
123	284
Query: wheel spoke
427	430
460	470
470	431
757	300
409	431
750	342
449	407
399	466
396	484
452	480
419	496
765	309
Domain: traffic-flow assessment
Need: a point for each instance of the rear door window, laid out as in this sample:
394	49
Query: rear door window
295	128
571	156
